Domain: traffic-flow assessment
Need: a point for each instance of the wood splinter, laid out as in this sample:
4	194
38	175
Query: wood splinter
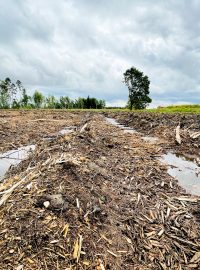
178	137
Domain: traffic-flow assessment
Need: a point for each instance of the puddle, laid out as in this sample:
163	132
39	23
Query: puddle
13	157
150	139
185	171
67	130
113	122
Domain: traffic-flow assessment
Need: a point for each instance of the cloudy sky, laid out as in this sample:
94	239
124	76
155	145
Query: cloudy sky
83	47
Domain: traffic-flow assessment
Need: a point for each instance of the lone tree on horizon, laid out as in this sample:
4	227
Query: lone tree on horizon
138	86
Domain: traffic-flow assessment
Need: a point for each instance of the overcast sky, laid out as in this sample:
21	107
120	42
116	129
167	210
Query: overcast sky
83	47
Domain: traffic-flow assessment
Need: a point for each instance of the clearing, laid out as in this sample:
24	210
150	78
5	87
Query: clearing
95	191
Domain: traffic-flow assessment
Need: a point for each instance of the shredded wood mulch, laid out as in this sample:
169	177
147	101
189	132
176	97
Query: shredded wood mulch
96	198
22	127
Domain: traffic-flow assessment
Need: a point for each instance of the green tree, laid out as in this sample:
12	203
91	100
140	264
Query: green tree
12	90
90	103
138	86
19	86
64	102
15	96
16	104
101	104
4	95
79	103
50	102
38	99
8	92
24	102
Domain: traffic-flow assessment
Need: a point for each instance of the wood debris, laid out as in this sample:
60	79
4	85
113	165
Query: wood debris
99	199
178	137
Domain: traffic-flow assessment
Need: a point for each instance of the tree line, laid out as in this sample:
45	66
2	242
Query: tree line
14	95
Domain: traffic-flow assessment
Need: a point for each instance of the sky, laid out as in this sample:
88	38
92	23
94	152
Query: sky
82	47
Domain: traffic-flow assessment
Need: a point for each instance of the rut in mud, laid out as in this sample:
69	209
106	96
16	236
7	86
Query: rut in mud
96	198
163	125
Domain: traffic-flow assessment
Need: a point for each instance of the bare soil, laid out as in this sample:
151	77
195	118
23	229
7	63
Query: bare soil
96	198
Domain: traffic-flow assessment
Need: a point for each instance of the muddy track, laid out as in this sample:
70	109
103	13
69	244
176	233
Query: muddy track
96	198
163	126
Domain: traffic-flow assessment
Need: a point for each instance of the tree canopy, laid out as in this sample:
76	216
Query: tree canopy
138	86
14	95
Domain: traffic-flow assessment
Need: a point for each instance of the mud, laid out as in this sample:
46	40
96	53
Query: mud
94	198
163	126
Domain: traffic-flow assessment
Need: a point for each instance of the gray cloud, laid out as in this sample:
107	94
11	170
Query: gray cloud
83	47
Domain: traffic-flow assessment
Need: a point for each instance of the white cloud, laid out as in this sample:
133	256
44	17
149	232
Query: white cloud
80	47
117	103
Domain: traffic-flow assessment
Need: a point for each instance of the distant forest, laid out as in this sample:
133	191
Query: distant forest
14	95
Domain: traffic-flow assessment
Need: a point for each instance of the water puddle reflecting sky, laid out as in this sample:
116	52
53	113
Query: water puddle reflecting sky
13	157
113	122
67	130
185	171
